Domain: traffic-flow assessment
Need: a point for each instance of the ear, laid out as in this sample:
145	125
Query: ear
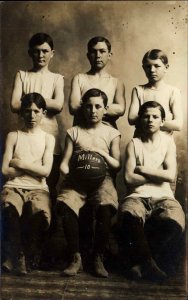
110	55
105	110
162	123
52	53
44	112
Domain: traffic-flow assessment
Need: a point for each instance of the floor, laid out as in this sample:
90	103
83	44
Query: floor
52	285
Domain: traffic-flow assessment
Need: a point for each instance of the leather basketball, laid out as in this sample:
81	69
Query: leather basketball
87	169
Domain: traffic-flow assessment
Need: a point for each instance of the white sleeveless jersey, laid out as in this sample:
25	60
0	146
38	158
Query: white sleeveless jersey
154	159
165	95
109	85
29	147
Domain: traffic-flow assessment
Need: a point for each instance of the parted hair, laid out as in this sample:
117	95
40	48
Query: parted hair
28	99
155	54
151	104
95	93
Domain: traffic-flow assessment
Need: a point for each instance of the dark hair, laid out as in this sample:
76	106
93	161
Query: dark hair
92	42
95	93
30	98
155	54
150	104
39	39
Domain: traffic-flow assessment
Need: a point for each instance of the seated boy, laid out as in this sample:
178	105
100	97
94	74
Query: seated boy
99	54
150	166
25	197
105	140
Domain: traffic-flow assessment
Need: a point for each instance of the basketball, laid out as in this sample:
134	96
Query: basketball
87	170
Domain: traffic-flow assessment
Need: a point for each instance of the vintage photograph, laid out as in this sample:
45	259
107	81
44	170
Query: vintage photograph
94	150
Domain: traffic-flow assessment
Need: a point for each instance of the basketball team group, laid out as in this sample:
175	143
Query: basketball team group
42	185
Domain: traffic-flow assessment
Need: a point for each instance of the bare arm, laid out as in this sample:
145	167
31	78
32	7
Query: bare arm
134	108
75	96
15	102
114	158
68	151
35	168
177	122
7	170
55	105
117	108
130	176
160	175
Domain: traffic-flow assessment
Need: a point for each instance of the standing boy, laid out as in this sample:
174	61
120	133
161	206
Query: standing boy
149	168
105	140
155	65
25	201
99	53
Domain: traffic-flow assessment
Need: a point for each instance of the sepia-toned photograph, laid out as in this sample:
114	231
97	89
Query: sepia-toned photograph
93	182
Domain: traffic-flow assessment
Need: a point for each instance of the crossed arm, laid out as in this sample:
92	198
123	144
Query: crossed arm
14	167
116	109
137	175
54	105
175	124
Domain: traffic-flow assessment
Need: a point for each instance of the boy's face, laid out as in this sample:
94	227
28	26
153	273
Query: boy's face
32	116
154	69
41	55
151	120
94	110
99	56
